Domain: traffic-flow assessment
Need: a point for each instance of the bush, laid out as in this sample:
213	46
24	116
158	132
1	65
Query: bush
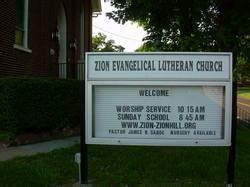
34	104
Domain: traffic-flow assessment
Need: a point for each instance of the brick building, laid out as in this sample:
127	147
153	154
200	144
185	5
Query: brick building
45	38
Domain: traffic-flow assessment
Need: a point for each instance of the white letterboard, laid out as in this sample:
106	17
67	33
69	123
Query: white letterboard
193	112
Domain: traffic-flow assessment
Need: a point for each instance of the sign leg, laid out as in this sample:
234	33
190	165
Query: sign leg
232	148
84	148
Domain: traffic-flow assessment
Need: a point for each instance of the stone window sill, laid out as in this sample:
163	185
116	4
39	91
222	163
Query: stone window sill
21	48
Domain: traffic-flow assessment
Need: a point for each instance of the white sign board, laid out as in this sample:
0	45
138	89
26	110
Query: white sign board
153	107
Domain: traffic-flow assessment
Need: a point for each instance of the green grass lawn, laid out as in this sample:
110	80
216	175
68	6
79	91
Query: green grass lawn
244	92
132	166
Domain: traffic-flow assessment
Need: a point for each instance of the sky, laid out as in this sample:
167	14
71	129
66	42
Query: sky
128	35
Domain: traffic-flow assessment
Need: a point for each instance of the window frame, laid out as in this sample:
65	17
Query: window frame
25	29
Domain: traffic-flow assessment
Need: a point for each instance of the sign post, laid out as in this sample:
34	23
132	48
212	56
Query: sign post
84	149
232	148
161	99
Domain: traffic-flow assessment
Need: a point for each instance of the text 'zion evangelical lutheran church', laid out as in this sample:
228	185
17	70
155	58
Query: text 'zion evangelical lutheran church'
161	65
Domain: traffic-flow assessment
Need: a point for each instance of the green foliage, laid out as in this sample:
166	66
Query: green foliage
242	71
51	169
190	25
148	47
6	135
244	92
101	44
34	104
157	165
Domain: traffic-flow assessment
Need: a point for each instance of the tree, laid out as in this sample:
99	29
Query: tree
242	71
101	44
190	25
147	47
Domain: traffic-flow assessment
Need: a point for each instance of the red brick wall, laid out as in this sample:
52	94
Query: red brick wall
42	21
7	24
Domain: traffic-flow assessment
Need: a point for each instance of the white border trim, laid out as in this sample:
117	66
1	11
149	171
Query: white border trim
226	141
228	54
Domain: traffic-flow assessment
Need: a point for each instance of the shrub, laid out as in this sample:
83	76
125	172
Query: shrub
34	104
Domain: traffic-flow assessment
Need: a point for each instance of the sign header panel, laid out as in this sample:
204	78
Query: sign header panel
159	66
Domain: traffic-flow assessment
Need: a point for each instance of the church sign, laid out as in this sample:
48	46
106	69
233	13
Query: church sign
163	99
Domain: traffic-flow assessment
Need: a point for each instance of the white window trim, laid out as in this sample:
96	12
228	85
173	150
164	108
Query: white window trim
82	39
26	17
21	48
24	47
